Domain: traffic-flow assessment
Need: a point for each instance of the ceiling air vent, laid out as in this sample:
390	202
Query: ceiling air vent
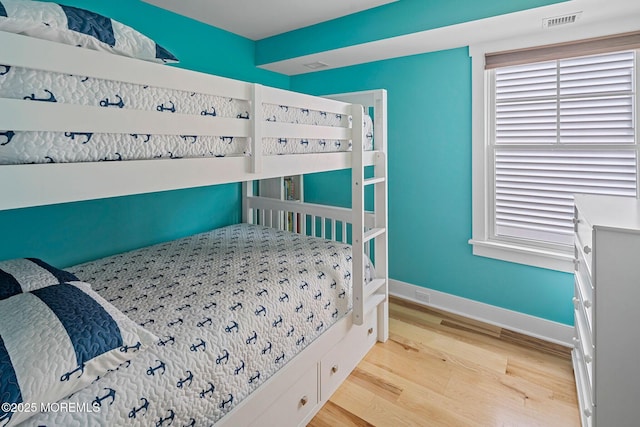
316	65
557	21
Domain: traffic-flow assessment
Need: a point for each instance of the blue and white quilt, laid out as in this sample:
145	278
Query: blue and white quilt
72	146
230	308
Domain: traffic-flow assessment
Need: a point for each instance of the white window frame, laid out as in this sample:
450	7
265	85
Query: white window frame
482	240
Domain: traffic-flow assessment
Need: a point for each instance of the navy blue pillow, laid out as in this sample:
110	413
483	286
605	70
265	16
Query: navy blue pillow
28	274
90	23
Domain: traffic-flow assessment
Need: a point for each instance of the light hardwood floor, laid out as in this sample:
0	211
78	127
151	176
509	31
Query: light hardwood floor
439	369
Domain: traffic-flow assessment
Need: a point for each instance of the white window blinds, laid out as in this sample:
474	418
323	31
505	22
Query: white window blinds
561	127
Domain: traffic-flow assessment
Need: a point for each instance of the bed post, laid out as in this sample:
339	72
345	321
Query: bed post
247	212
380	195
357	207
257	123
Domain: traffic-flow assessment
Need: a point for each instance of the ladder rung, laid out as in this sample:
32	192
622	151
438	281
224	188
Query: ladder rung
373	302
373	286
371	181
372	234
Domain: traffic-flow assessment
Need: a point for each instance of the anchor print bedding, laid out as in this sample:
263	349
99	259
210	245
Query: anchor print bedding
229	307
73	146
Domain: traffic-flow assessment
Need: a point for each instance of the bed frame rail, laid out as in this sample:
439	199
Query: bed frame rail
327	222
46	185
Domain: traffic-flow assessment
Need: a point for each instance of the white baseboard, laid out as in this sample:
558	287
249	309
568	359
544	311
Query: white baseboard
514	321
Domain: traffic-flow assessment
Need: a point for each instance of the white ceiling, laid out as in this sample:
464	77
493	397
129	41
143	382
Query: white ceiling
598	18
258	19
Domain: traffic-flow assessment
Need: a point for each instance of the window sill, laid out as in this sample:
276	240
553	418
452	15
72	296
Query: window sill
552	260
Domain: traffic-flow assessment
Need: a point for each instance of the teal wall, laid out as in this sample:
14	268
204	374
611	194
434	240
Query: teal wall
429	131
71	233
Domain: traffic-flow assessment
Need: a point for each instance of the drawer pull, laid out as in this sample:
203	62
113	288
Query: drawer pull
369	331
334	369
575	301
587	412
588	358
576	341
304	400
587	249
587	303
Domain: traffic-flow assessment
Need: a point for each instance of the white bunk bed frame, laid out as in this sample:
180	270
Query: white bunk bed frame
294	394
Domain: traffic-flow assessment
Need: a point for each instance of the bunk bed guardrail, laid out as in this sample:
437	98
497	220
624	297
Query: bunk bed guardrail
57	183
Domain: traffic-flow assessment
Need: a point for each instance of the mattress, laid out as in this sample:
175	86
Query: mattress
230	308
73	146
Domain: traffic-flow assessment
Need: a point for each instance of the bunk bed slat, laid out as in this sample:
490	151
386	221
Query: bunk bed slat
19	115
292	130
46	184
333	228
344	232
293	99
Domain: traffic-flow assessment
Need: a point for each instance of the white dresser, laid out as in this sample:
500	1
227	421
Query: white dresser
606	356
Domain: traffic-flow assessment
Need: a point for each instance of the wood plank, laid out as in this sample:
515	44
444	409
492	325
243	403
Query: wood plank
427	369
440	369
434	408
333	415
450	348
526	341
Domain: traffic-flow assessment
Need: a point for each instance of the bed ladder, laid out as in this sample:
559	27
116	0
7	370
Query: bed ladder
370	228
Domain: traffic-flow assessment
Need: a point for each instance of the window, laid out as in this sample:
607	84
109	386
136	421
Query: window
560	127
551	129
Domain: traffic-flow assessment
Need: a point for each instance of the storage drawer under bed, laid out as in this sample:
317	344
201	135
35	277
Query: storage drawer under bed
296	403
338	363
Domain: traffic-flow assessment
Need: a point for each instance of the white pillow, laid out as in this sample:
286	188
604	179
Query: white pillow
78	27
57	340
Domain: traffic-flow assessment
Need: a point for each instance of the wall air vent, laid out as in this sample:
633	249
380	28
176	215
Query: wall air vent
316	65
557	21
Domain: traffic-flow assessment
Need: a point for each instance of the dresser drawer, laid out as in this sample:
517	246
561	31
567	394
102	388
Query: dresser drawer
583	389
584	293
295	404
583	341
584	239
338	363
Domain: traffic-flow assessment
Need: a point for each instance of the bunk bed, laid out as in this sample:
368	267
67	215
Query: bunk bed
291	394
